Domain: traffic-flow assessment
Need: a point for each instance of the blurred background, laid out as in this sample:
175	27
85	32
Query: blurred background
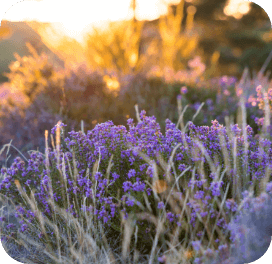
94	60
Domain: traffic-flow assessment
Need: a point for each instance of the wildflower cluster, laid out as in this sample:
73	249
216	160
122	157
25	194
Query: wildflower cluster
131	176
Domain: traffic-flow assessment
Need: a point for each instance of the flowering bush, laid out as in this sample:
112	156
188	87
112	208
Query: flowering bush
213	167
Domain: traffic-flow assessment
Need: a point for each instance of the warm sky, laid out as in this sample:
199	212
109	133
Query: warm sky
75	15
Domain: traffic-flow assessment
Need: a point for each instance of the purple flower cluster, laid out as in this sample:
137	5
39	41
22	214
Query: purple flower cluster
227	81
129	170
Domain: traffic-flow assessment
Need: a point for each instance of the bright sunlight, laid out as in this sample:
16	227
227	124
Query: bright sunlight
76	17
237	8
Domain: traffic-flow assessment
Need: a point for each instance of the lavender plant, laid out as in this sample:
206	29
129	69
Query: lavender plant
140	178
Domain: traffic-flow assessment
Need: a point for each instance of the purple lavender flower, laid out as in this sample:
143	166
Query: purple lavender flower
183	90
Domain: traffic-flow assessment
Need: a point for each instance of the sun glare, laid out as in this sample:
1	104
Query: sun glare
75	18
237	8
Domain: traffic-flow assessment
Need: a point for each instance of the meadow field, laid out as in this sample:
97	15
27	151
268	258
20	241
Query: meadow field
203	195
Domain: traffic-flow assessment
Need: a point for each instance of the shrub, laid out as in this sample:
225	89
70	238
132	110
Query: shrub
123	167
32	75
